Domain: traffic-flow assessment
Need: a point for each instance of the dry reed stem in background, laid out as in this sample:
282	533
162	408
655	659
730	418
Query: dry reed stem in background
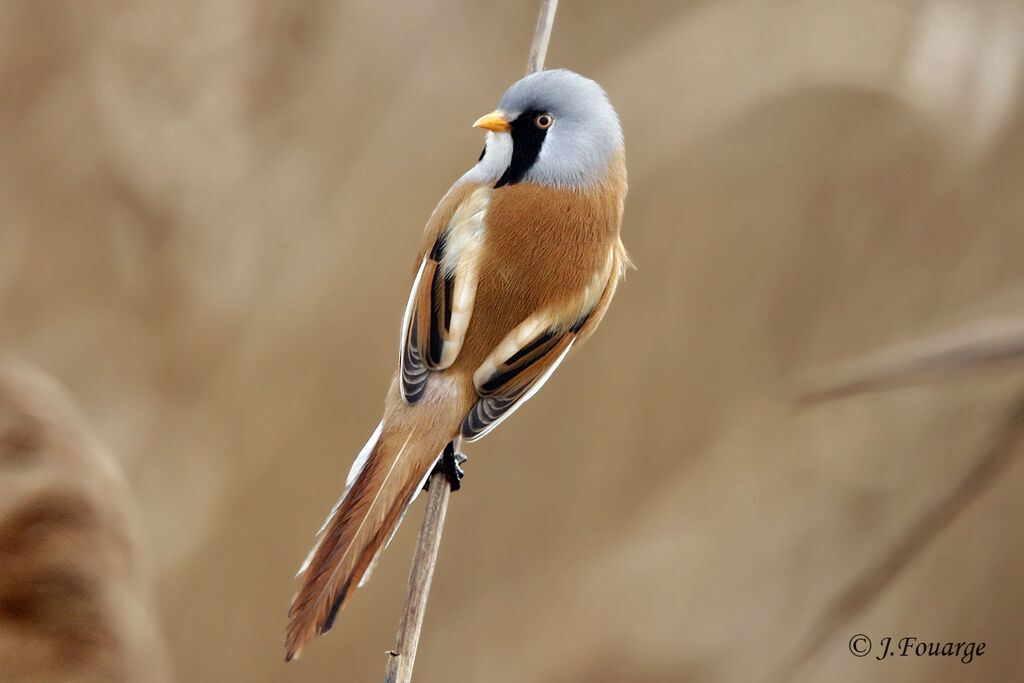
980	341
996	457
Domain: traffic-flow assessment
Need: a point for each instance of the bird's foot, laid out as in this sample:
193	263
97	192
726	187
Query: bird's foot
448	465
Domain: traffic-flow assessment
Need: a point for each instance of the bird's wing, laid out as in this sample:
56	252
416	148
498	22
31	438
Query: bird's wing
441	301
526	357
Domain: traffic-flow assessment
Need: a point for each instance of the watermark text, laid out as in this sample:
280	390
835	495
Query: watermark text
912	646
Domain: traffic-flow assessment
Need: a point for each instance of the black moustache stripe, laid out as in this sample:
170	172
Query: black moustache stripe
527	139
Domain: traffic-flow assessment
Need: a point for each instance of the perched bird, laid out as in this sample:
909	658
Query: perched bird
518	264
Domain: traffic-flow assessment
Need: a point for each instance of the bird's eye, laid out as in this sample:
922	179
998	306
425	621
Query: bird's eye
544	121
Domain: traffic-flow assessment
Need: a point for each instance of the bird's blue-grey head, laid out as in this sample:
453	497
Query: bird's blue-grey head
552	127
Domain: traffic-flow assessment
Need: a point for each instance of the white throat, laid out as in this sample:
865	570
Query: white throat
497	157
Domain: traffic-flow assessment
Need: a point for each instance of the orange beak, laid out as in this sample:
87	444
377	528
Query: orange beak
495	121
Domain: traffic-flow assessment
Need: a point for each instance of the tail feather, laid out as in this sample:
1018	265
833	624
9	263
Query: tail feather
401	518
357	468
361	524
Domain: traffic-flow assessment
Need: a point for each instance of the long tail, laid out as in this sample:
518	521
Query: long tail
388	474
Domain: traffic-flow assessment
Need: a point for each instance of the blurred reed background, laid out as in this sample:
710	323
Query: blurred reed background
208	219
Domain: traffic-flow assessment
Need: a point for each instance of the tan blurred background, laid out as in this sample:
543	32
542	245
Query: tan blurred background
208	215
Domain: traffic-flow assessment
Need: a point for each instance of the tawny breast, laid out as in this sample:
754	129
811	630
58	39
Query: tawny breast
542	247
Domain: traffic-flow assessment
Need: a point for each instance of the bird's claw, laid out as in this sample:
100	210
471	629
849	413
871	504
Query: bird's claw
449	465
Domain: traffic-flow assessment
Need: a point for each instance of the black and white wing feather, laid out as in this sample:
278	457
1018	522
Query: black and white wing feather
441	301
